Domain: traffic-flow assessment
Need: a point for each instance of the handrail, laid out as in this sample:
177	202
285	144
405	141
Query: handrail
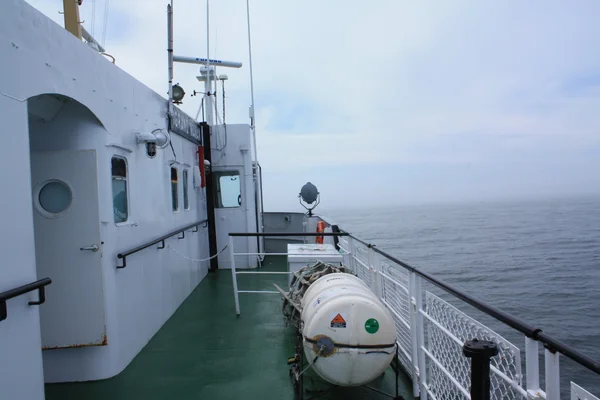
289	234
162	239
530	331
9	294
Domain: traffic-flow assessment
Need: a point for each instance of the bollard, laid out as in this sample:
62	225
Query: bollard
480	352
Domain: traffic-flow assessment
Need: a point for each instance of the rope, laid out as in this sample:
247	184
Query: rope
196	259
313	361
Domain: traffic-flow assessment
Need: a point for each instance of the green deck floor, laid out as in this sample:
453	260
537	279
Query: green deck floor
205	352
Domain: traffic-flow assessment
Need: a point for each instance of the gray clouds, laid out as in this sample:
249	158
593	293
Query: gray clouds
412	101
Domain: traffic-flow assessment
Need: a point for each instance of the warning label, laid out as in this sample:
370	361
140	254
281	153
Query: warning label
338	322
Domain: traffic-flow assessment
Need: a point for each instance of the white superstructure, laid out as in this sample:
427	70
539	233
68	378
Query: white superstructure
84	183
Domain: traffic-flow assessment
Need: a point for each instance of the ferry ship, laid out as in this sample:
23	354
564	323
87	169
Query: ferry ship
139	261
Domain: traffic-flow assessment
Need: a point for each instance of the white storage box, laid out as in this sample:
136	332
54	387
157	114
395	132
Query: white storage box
301	255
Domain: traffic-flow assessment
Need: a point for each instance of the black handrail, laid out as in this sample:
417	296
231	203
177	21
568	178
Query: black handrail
530	331
271	234
9	294
162	239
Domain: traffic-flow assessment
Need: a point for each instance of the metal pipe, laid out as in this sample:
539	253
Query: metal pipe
420	338
18	291
170	54
88	37
480	352
283	234
259	291
532	366
263	272
413	334
160	239
234	277
253	114
208	83
552	374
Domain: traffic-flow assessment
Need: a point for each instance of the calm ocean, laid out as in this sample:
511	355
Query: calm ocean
538	260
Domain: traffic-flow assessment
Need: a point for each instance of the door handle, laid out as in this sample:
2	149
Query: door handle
93	248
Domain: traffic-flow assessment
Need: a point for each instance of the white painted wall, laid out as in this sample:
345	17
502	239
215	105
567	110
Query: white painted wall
40	57
235	143
20	342
291	222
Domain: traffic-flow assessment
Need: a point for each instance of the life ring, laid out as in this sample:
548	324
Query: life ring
320	229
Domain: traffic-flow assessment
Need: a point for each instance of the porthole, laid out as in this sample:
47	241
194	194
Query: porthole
54	197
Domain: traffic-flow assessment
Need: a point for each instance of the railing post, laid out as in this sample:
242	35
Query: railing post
532	368
352	249
413	333
375	266
552	375
234	277
480	352
421	339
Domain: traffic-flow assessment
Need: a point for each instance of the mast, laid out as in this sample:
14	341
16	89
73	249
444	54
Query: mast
208	101
72	24
170	54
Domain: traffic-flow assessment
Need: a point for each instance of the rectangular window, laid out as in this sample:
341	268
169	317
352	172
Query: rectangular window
186	203
174	194
119	188
228	191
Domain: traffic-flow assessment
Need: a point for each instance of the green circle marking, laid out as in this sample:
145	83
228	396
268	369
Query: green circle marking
371	325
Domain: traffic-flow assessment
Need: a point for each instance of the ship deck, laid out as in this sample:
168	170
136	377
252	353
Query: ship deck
205	352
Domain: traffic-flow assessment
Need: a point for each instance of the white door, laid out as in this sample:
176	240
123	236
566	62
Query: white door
68	247
230	214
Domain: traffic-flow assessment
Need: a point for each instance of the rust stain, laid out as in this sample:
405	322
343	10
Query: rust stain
103	342
316	349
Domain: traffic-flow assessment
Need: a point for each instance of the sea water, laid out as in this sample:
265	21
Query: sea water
538	260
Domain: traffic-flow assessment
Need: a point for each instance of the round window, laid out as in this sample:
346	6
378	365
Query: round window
55	197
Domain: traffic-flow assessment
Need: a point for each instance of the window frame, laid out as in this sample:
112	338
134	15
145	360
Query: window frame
217	193
126	179
185	176
174	202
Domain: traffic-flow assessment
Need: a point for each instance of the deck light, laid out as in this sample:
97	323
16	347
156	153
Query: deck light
178	94
310	194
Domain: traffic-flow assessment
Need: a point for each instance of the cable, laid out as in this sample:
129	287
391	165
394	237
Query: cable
173	150
105	23
253	122
13	98
224	126
196	259
200	109
93	17
313	361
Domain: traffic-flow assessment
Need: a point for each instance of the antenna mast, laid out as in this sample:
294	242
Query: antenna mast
208	101
71	8
170	54
252	114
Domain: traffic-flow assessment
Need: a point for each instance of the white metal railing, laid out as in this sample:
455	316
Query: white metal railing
235	273
431	333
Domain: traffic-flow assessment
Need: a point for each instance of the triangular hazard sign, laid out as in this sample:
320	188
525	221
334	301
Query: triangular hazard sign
338	319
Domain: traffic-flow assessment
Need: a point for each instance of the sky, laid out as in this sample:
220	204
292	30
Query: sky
388	102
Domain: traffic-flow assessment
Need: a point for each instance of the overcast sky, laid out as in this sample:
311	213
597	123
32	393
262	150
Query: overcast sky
389	102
